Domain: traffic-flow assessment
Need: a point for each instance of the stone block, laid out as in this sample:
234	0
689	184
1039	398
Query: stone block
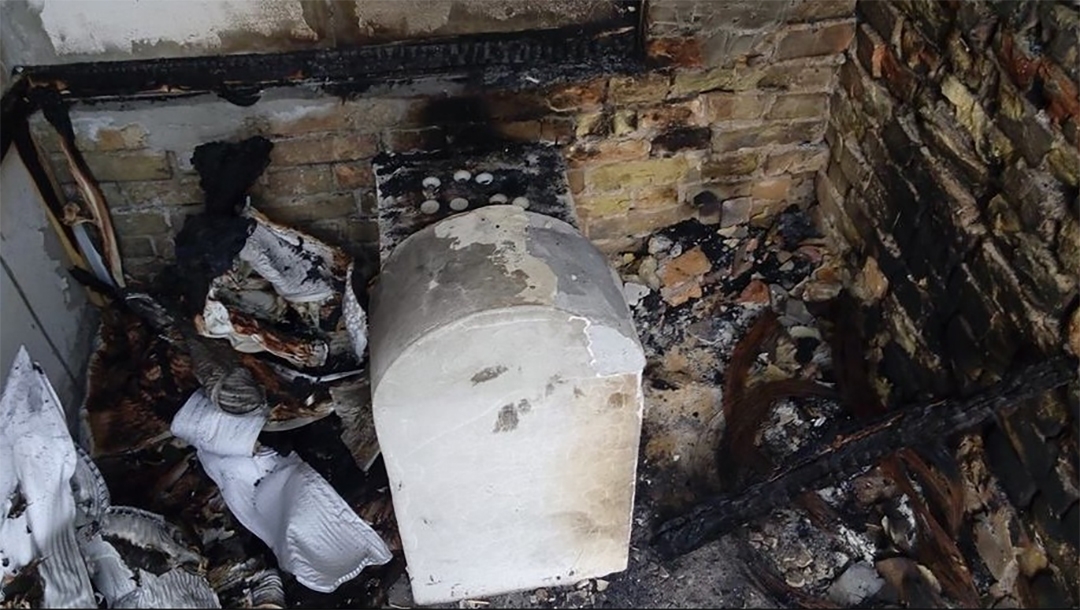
802	132
1042	201
323	149
853	164
681	52
404	140
1048	287
136	246
648	88
578	97
1064	163
603	152
521	131
745	14
682	138
690	113
820	10
353	175
306	209
726	47
128	166
724	106
309	119
734	212
772	189
105	139
797	160
729	189
300	180
634	174
947	138
799	106
637	223
183	191
1018	120
816	39
731	165
605	205
799	75
140	223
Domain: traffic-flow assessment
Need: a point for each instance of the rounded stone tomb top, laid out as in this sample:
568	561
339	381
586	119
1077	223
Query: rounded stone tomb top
494	258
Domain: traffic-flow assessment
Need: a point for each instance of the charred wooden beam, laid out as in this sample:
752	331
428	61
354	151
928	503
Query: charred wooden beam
854	452
493	60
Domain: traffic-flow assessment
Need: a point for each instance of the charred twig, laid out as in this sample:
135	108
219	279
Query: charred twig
852	453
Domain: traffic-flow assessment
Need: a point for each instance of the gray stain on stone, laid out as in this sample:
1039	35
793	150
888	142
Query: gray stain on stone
507	420
488	374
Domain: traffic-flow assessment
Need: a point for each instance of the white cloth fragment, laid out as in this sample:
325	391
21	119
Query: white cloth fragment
284	258
314	534
355	317
39	461
176	588
201	424
126	584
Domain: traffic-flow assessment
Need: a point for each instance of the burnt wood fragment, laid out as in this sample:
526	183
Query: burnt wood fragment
851	453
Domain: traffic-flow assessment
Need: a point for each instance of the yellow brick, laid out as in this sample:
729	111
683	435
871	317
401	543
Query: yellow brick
603	204
636	223
636	174
604	152
644	89
128	137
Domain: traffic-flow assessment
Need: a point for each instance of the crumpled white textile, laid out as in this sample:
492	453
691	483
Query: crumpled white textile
37	461
281	499
204	426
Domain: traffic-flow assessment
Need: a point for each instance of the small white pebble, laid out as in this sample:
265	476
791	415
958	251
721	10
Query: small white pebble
462	175
431	182
521	202
498	198
484	178
429	207
458	204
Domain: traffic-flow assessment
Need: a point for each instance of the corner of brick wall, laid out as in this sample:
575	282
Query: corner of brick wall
953	169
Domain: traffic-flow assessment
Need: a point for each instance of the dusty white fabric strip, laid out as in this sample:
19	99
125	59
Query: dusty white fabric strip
39	461
204	426
315	535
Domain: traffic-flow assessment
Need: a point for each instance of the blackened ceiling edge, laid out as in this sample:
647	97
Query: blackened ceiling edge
504	60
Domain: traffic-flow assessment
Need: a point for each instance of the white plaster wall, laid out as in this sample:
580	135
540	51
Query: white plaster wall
40	306
38	32
78	27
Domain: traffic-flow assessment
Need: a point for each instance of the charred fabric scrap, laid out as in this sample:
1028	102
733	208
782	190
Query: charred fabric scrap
192	389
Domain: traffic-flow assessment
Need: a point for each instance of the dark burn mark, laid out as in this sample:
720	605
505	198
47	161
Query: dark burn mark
512	60
152	560
509	416
618	400
682	138
18	504
488	374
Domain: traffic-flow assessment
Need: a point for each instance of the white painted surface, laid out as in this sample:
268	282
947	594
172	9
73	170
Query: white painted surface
313	532
510	433
40	306
79	27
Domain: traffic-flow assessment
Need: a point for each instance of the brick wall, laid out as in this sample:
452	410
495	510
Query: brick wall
953	172
731	116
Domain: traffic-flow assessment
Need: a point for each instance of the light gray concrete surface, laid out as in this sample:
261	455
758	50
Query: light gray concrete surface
507	400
